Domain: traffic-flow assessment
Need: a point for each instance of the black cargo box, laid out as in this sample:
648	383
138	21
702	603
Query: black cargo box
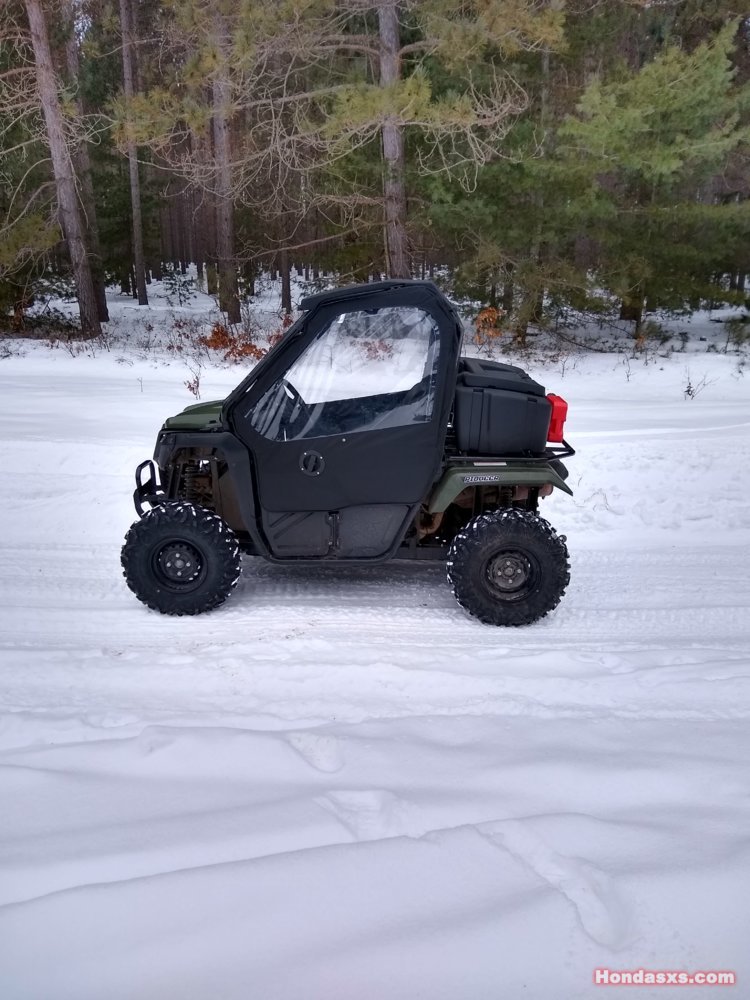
478	374
499	410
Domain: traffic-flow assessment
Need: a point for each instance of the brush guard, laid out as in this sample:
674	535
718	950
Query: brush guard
149	492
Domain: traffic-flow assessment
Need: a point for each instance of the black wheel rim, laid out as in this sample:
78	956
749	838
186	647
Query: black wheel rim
511	574
178	565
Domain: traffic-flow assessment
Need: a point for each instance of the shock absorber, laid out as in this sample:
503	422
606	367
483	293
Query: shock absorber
506	496
191	472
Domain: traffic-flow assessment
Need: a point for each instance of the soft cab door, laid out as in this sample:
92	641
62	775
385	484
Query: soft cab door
347	434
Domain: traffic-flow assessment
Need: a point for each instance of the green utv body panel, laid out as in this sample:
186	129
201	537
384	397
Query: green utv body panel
200	416
520	473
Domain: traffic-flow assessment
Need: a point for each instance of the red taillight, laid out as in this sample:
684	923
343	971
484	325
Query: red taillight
557	420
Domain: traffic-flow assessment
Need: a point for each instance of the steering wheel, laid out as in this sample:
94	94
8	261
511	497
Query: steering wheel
291	392
298	412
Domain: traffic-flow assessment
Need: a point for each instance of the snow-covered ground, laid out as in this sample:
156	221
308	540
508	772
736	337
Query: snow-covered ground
340	787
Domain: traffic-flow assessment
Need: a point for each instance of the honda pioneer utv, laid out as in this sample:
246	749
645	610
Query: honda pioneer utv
362	436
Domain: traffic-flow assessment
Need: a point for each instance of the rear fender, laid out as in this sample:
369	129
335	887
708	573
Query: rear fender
460	477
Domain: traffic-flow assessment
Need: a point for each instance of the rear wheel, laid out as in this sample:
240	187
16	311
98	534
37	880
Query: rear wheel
181	559
508	567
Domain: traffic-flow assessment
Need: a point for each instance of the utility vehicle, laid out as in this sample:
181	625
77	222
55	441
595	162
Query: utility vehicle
362	436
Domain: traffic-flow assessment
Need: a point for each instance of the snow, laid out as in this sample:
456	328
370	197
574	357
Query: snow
338	785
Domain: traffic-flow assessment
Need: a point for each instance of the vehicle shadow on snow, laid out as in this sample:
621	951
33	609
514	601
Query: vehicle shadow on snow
397	585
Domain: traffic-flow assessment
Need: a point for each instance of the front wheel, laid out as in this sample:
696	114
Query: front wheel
181	559
508	567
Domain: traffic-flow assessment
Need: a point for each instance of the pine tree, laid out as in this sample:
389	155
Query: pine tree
640	192
647	148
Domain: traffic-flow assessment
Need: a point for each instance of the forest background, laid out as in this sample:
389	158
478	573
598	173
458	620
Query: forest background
535	156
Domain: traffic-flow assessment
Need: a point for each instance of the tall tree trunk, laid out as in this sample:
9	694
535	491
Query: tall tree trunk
82	165
507	299
631	308
126	22
392	135
286	281
155	256
531	309
62	166
182	236
248	273
165	228
229	300
204	214
199	237
174	230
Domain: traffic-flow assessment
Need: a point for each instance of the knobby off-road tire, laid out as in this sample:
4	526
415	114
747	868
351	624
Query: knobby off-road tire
181	559
508	567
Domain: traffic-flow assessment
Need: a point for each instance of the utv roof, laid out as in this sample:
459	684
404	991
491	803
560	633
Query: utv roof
370	288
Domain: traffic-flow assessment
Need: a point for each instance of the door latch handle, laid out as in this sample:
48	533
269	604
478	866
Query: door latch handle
311	463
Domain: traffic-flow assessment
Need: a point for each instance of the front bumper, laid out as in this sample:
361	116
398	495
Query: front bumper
149	491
